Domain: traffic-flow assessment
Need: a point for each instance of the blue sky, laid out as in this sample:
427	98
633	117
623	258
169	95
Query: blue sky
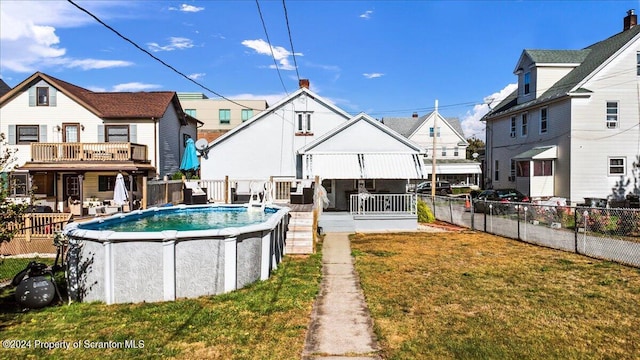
385	58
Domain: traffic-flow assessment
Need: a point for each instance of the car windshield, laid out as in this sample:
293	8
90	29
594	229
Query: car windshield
507	193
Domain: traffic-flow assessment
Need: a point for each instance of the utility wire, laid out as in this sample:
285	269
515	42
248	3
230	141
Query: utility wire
155	57
271	47
293	52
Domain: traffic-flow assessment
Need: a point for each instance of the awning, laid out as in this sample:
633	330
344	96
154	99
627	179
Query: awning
455	169
363	166
539	153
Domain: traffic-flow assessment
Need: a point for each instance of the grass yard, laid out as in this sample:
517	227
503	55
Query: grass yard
471	295
267	320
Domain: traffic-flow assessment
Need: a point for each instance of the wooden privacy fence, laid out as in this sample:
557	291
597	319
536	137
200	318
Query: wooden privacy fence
35	234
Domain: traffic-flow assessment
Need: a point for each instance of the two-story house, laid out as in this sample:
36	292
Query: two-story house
572	127
450	146
218	115
72	142
305	136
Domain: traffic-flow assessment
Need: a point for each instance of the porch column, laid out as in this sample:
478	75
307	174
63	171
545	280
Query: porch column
81	193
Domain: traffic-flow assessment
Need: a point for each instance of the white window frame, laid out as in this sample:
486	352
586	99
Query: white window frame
431	131
304	121
524	124
544	119
622	166
638	60
612	114
527	83
444	151
513	127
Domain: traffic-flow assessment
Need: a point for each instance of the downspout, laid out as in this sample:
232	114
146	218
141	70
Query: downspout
155	146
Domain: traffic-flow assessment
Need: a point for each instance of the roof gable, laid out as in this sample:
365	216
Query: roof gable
358	133
408	127
107	105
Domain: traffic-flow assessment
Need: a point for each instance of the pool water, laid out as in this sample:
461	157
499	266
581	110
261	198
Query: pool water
183	220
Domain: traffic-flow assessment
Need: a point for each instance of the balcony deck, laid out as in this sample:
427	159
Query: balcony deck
69	152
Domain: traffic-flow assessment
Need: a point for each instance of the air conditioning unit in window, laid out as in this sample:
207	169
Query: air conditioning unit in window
512	178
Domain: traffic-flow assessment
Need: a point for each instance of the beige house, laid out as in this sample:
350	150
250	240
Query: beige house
72	142
219	115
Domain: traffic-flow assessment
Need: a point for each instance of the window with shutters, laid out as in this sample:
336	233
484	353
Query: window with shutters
42	96
27	134
116	133
303	123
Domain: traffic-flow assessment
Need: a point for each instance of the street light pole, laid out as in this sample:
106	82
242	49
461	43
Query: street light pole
433	158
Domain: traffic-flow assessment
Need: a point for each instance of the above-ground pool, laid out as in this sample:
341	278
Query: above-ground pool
173	252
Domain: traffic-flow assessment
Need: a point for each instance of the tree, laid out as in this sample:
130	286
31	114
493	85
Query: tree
475	146
10	213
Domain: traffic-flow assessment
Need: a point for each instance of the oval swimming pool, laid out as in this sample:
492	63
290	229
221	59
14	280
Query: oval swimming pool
166	253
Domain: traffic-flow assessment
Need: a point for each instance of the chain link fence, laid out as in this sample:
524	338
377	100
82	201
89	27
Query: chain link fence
608	234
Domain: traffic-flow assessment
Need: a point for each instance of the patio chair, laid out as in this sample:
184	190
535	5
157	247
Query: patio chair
194	194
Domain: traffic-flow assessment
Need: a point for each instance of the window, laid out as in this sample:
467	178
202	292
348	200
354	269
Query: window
108	183
444	151
43	183
225	116
19	184
455	151
617	166
513	127
431	131
247	114
542	167
612	114
303	123
496	171
522	168
190	112
42	95
523	127
638	59
27	134
527	83
368	184
116	133
513	168
543	121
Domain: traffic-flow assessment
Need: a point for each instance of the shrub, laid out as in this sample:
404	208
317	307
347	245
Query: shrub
424	213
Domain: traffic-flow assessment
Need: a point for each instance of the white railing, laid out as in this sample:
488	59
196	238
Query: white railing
217	190
282	189
370	204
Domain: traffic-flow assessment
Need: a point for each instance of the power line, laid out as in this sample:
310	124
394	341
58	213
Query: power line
293	52
153	56
271	48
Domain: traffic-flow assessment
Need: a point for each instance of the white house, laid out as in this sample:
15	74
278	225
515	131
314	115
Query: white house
571	127
71	142
451	146
304	136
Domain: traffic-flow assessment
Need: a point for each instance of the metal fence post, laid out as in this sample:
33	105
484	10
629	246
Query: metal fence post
518	218
451	209
575	232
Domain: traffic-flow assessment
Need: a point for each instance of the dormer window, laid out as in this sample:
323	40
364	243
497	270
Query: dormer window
527	83
42	94
303	123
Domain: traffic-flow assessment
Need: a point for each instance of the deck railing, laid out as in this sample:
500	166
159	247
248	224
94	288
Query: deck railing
370	204
112	151
35	234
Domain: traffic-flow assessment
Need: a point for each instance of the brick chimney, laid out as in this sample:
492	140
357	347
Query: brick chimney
630	20
304	83
414	115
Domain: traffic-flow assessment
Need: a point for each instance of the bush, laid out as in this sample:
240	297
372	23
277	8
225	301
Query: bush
424	213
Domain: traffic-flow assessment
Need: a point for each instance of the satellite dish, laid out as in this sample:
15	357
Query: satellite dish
201	146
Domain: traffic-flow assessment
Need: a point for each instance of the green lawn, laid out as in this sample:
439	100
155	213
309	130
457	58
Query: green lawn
476	296
267	320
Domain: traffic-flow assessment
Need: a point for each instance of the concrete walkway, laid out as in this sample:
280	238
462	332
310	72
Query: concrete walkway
341	327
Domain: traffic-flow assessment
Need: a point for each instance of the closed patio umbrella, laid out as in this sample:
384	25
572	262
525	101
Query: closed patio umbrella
190	160
120	194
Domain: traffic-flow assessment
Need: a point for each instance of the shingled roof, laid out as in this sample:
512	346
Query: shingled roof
108	105
4	88
592	57
406	126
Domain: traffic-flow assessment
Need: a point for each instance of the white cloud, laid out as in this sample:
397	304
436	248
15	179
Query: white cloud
471	124
279	53
366	14
28	39
187	8
90	64
175	43
135	86
196	76
372	75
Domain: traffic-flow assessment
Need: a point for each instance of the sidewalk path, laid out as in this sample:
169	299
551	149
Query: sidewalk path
341	327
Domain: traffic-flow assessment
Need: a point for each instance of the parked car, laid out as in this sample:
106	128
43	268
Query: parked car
501	200
442	188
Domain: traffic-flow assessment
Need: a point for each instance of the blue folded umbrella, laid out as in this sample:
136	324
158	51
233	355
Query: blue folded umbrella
190	160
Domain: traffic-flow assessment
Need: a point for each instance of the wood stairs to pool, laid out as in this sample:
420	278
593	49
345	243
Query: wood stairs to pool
300	233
